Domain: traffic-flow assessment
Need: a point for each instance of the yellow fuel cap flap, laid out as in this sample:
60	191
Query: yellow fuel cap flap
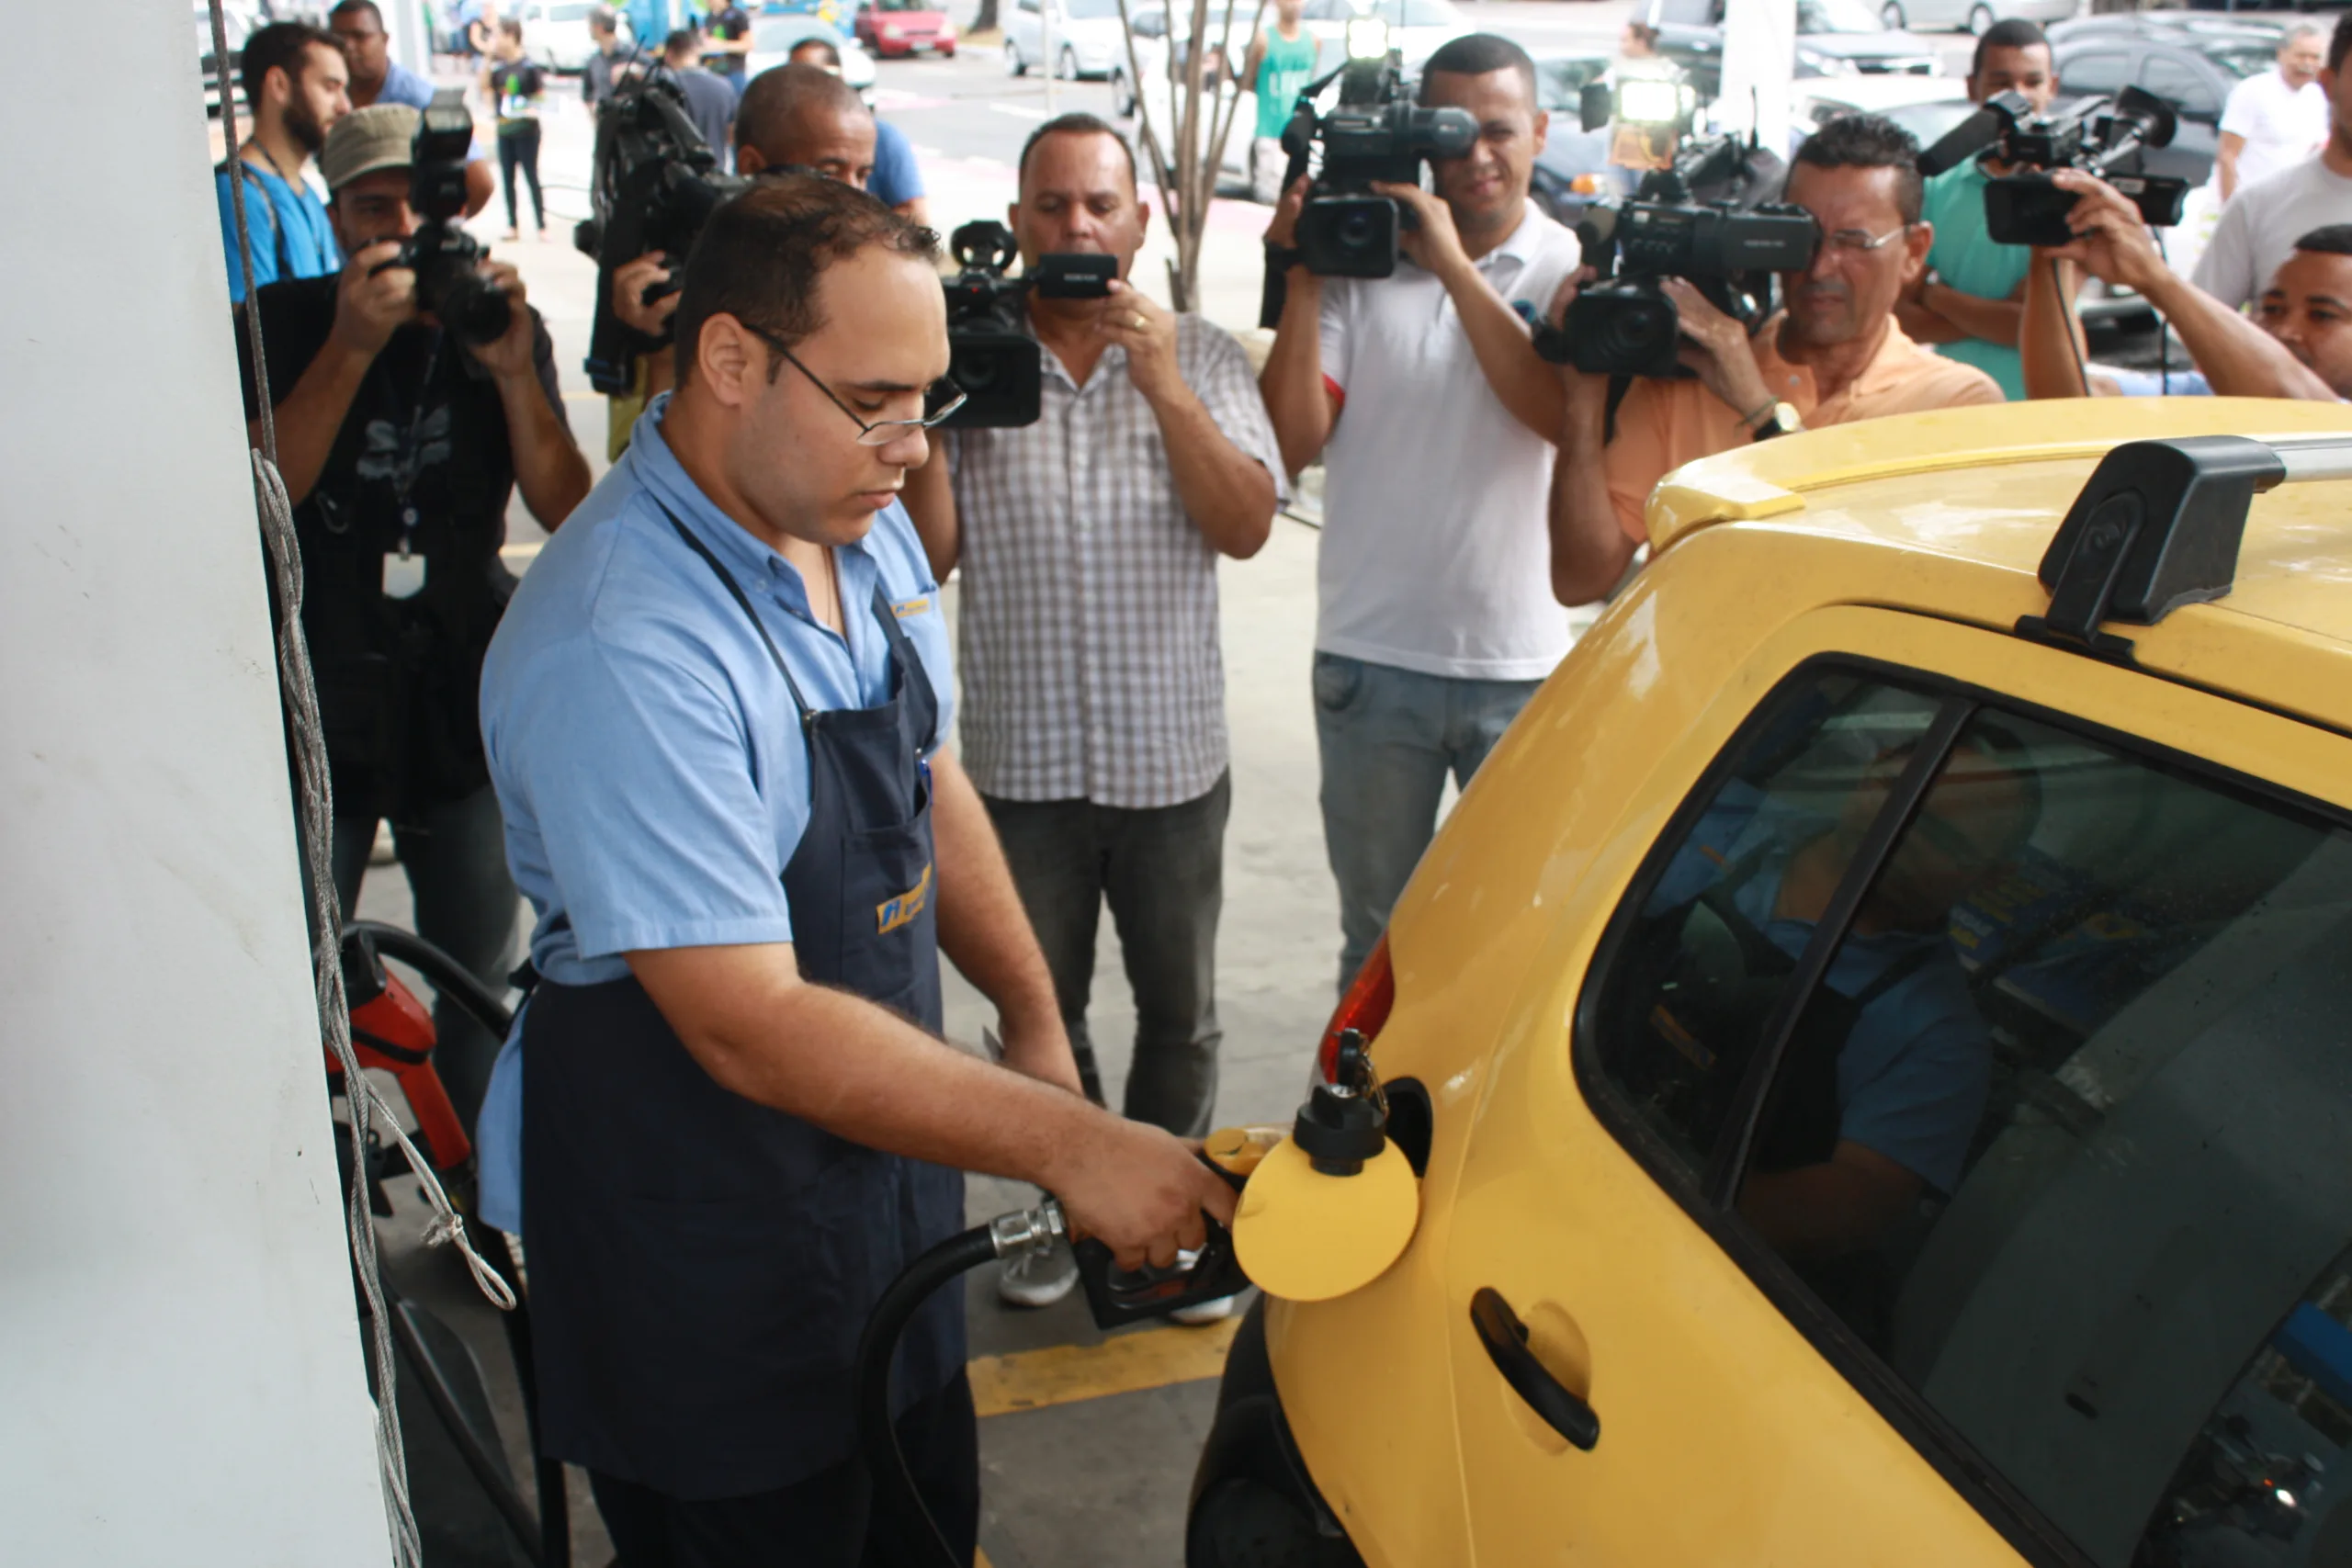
1306	1237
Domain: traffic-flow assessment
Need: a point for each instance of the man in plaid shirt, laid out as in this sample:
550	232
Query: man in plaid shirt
1094	703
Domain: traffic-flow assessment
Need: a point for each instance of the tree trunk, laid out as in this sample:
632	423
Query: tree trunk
985	21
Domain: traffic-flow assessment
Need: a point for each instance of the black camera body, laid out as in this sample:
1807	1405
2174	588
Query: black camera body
1375	133
445	259
654	185
2097	136
993	358
1625	325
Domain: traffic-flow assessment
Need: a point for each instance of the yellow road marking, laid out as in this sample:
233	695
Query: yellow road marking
1063	1374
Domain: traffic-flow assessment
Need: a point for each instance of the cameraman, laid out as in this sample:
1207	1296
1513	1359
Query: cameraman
1835	354
2298	345
1967	303
792	117
1434	419
1094	688
400	448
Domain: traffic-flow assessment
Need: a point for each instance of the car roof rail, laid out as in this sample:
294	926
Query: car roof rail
2158	526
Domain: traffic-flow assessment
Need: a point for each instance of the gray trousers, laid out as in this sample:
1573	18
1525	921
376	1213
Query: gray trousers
1162	872
456	859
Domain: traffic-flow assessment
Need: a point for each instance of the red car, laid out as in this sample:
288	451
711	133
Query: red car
905	27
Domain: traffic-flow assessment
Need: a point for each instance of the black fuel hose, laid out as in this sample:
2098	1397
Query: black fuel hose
895	1496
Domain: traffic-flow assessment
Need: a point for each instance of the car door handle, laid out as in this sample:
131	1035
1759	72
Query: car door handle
1504	1338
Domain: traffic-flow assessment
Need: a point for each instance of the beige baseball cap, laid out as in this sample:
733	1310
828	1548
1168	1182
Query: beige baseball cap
377	137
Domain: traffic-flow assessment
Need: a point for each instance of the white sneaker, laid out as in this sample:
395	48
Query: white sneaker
1200	1313
1037	1279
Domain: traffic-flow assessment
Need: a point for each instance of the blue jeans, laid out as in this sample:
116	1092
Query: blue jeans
1388	737
1162	872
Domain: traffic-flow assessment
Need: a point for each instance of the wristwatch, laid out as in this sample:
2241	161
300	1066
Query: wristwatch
1783	420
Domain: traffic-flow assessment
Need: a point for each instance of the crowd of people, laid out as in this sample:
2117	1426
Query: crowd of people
707	738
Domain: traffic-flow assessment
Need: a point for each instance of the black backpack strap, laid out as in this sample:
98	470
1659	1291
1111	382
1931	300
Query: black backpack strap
245	172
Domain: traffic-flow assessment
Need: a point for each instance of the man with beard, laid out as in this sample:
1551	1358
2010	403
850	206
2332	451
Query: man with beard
1833	356
297	86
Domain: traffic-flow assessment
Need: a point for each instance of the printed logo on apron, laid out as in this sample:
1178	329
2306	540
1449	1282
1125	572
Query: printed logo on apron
892	913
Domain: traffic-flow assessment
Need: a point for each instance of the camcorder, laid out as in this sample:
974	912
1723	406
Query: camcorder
2098	136
653	185
993	358
1375	132
1728	248
445	259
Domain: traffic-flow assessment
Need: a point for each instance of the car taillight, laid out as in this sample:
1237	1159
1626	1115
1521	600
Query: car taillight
1364	1007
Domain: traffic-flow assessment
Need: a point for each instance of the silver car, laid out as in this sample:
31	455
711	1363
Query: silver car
1974	16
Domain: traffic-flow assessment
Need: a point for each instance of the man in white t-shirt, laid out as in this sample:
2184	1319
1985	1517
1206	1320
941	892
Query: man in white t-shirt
1433	418
2275	119
2259	227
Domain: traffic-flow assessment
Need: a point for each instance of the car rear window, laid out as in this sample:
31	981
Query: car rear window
2019	1059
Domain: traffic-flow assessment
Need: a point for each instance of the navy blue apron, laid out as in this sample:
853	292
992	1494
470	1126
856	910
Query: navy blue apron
700	1265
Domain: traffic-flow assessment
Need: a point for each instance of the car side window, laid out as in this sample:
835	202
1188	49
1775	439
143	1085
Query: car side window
2178	85
1727	912
2056	1139
2102	71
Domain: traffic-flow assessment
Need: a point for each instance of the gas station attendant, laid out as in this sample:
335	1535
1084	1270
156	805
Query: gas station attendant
715	714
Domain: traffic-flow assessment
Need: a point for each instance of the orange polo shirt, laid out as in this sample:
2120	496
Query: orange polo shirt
1663	425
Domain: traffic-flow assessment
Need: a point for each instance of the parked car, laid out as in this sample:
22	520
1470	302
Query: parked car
555	32
2099	1312
2193	72
890	28
774	37
1974	16
1088	37
1416	29
1151	52
1835	37
1573	168
1927	106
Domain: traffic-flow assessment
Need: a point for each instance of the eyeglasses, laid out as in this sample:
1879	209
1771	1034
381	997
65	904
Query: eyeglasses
1854	242
940	399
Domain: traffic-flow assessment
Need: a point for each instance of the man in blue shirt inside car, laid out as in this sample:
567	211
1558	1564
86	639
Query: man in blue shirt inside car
296	84
1882	1083
716	714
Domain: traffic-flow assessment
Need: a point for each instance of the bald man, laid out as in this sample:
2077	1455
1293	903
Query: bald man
795	117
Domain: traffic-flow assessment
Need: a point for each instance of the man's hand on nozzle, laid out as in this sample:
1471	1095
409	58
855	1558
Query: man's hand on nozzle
373	300
1716	347
2112	241
630	280
1138	1191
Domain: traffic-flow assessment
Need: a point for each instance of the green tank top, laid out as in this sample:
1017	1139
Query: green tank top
1288	66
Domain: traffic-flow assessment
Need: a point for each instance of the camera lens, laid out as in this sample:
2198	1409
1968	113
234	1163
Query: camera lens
1356	230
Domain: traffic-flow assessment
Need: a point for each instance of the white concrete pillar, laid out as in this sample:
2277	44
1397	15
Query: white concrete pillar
180	1366
404	20
1759	58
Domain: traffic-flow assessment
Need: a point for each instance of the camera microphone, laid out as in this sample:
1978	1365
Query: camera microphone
1994	119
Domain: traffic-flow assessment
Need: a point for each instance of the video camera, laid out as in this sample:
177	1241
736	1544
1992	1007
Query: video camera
445	259
653	185
1728	248
2095	136
1374	134
993	358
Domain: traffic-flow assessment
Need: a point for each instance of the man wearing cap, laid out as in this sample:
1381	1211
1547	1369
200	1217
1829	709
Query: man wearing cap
400	444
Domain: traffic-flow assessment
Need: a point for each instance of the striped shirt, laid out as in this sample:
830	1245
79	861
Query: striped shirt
1088	621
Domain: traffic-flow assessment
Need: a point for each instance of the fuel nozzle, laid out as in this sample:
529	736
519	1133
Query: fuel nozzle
1344	1123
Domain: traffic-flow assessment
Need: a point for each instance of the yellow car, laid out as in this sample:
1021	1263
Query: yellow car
1875	1041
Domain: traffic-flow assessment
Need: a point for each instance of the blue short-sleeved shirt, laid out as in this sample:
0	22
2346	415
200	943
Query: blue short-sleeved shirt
647	754
286	224
403	85
895	180
1968	258
1913	1076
